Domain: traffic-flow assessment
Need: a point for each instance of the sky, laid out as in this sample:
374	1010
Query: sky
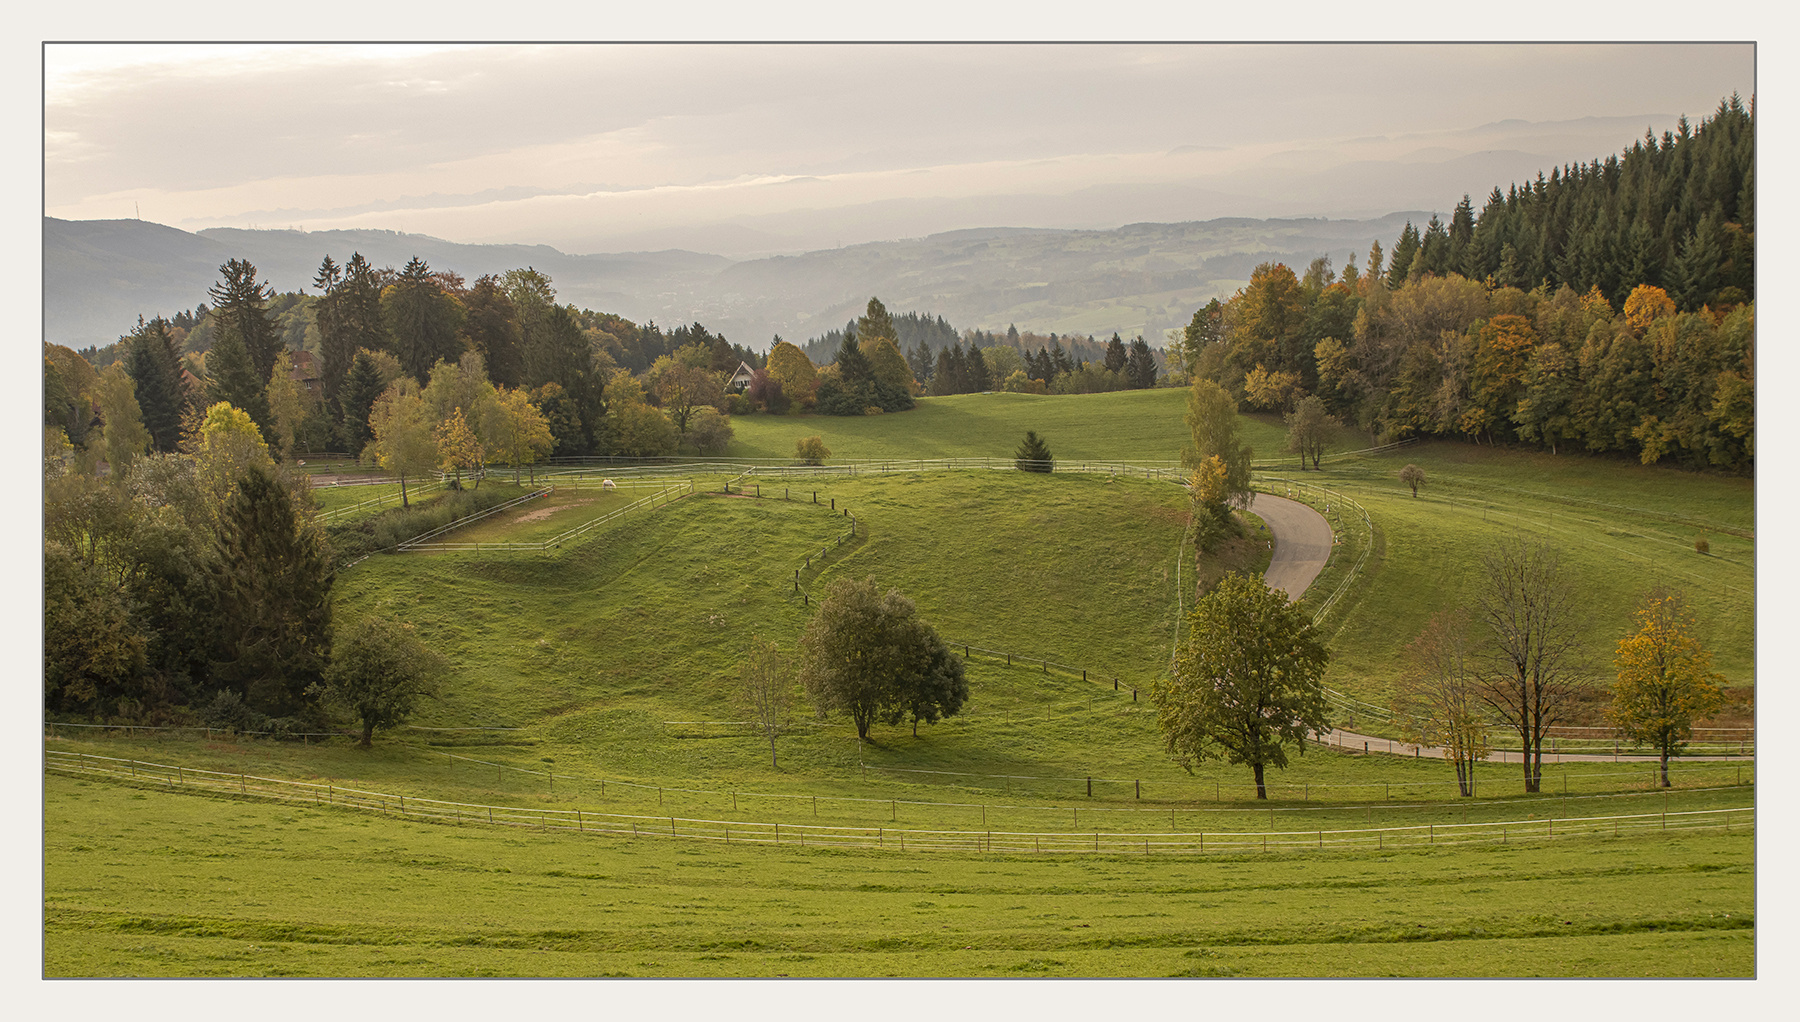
746	149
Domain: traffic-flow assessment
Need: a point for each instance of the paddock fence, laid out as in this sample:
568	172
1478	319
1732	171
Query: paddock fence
637	825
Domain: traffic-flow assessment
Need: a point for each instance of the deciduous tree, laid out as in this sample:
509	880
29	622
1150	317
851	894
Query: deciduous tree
1310	430
1413	476
1437	702
811	450
1530	663
767	693
1665	678
1246	682
457	447
868	654
1212	422
379	671
403	443
521	434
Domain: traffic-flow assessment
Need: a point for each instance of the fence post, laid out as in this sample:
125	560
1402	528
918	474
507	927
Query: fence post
1090	787
1137	789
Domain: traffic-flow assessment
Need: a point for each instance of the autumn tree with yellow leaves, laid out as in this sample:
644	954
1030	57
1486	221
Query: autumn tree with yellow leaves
1666	681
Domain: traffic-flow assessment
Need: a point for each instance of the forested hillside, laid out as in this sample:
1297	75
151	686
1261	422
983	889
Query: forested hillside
1609	309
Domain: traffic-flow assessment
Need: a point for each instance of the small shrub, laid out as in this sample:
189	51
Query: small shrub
1701	546
811	450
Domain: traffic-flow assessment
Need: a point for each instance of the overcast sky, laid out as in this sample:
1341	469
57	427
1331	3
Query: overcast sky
749	148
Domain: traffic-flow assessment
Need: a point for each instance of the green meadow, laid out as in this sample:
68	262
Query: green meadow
598	676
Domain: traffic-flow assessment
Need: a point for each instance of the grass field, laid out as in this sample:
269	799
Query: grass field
598	676
150	883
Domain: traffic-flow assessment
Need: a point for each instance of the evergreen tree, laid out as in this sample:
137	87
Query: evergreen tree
1115	354
241	305
1034	455
231	377
424	322
980	379
275	578
362	385
359	305
337	341
1140	367
1434	251
155	369
1405	249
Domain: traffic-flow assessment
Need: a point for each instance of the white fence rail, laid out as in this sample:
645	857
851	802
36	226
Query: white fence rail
637	825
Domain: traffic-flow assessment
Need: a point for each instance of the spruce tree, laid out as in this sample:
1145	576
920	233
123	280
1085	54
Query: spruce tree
1034	455
241	305
233	378
275	578
1115	354
979	376
151	362
362	385
337	343
1140	368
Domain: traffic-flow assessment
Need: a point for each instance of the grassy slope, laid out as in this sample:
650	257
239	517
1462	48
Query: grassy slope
152	883
600	651
1617	528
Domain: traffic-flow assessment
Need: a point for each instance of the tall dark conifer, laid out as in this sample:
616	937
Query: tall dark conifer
241	303
275	577
155	369
231	377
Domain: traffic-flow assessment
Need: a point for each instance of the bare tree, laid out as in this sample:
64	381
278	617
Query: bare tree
767	692
1438	701
1529	669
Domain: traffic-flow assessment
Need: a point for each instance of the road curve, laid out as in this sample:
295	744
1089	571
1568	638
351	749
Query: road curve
1302	542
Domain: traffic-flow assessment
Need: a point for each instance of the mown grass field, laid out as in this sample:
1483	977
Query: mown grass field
598	676
150	883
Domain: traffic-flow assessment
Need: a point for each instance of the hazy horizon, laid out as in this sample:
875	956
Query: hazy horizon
746	150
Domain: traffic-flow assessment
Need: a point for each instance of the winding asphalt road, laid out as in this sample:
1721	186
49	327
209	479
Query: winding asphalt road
1302	538
1303	541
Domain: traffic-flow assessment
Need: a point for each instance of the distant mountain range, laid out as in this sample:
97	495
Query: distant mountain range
100	275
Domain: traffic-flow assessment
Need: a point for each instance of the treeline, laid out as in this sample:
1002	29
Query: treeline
1678	214
1417	347
941	361
869	372
370	326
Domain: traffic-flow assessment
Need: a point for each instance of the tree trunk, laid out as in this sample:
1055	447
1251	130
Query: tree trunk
368	734
1665	766
772	760
1261	792
403	502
